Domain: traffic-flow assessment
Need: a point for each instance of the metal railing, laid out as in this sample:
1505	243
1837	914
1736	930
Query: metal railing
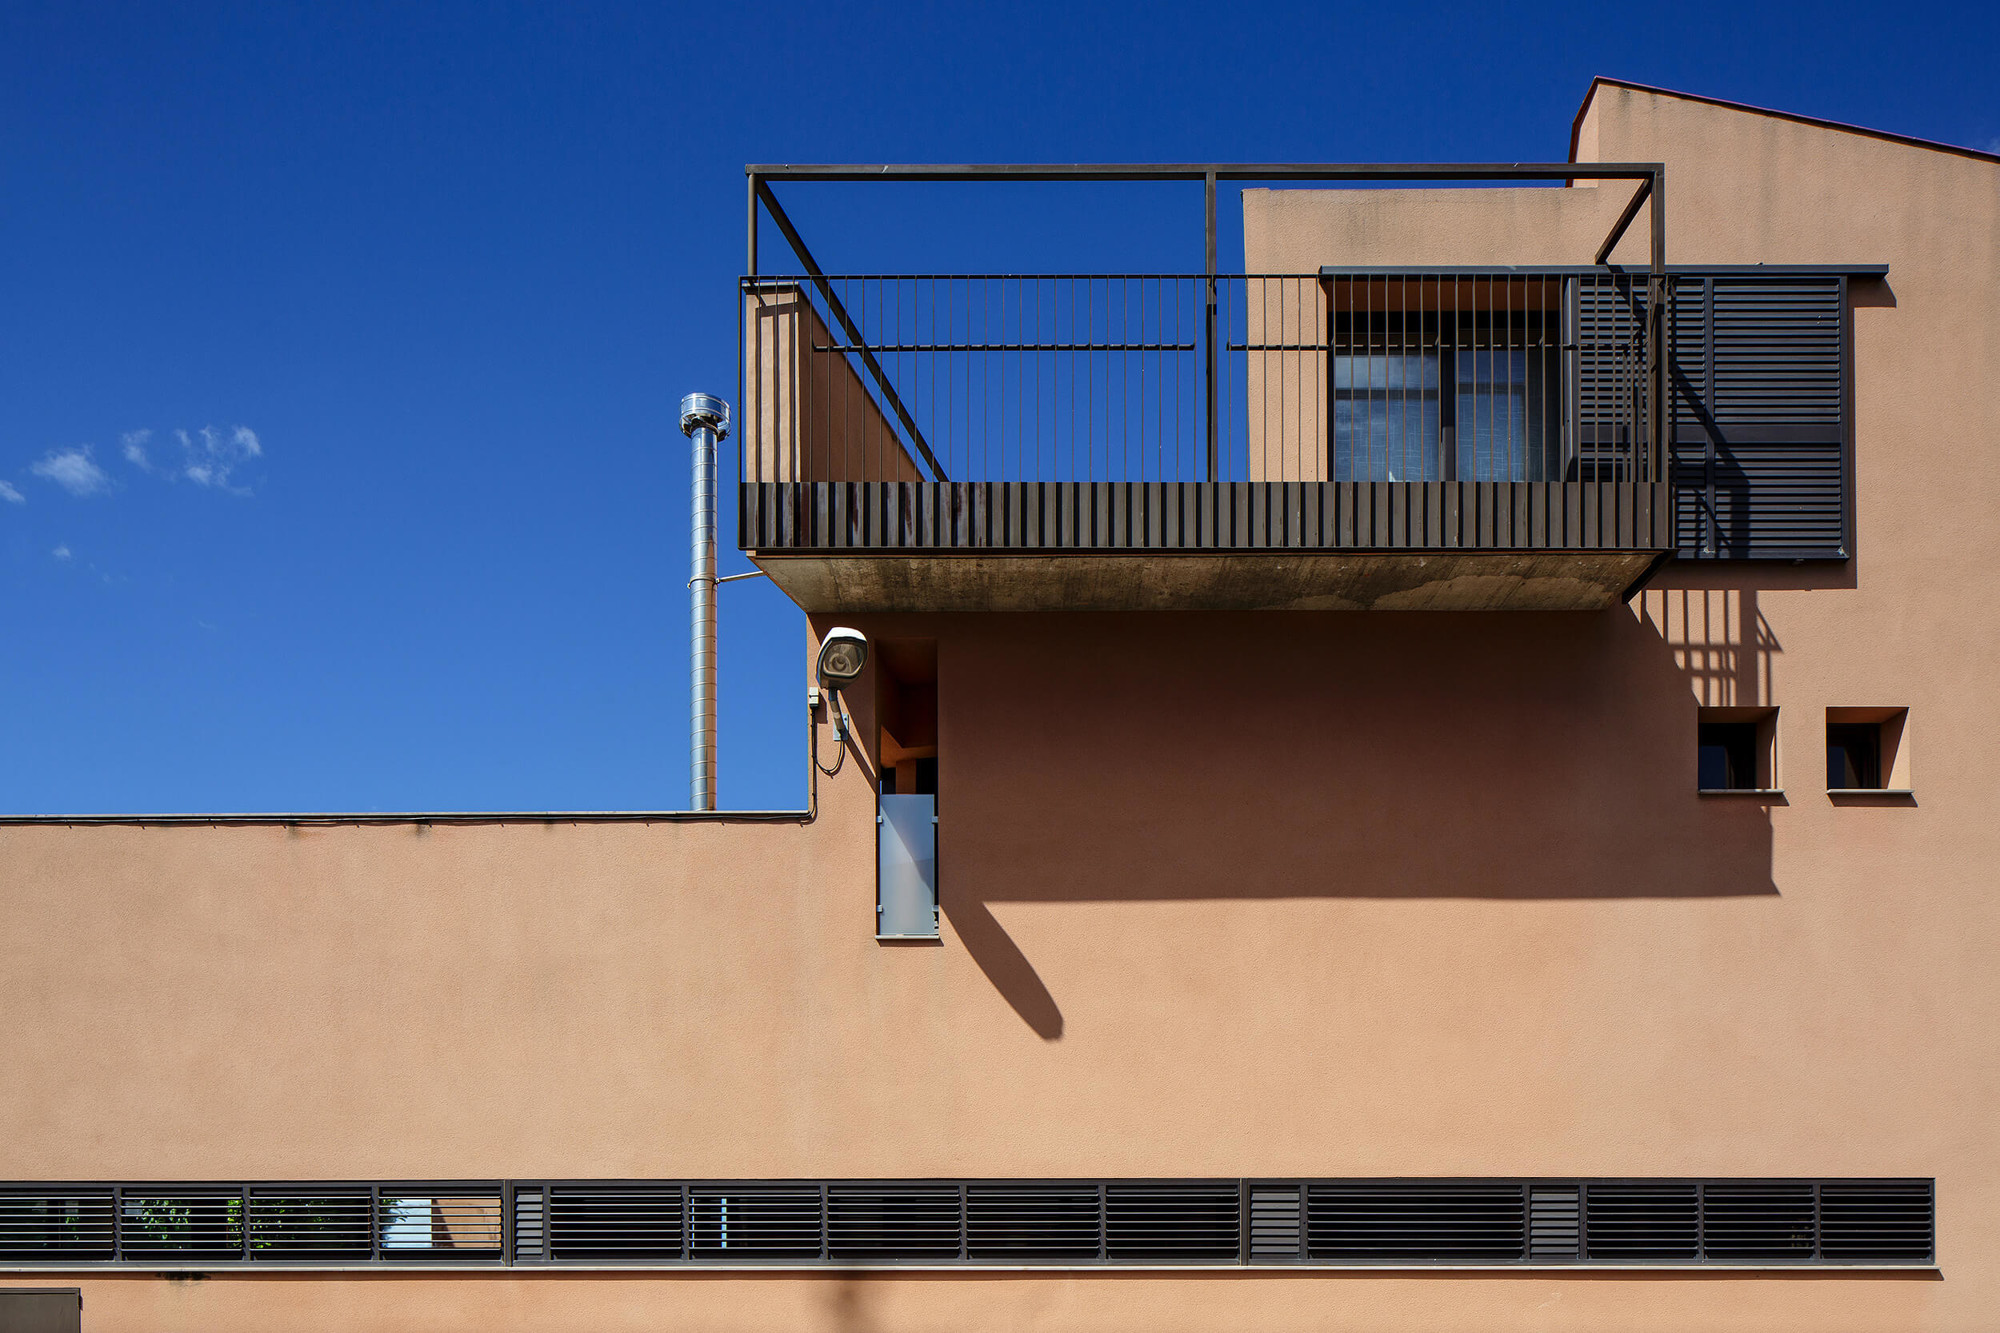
1476	375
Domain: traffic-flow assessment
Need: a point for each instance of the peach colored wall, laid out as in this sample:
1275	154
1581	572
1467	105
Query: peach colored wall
1285	393
1334	894
806	415
970	1303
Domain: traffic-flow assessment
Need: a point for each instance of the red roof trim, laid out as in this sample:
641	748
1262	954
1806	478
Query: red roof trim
1576	126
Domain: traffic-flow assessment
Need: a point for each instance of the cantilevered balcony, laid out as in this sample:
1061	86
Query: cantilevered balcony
1347	439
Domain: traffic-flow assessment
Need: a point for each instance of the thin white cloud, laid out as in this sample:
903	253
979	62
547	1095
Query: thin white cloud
11	495
73	470
134	442
60	552
209	455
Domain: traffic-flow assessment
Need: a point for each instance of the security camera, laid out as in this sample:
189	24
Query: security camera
842	654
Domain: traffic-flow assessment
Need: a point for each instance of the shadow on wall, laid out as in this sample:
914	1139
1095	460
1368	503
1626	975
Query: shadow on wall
1509	757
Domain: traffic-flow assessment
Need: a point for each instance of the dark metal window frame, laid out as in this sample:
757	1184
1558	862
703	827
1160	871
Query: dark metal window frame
1240	1223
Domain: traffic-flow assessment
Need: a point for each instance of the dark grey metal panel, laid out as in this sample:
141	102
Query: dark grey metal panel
41	1309
1555	1224
1877	1221
1762	385
1416	1221
1243	516
1277	1231
1642	1221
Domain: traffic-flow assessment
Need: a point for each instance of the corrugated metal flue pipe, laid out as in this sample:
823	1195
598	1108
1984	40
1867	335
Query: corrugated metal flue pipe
705	421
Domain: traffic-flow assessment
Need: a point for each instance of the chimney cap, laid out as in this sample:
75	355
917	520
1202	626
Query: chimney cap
704	409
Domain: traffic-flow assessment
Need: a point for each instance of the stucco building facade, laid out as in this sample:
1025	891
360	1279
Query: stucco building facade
1281	931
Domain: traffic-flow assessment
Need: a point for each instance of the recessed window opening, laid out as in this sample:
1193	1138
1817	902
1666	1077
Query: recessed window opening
906	708
1736	749
1446	379
1867	749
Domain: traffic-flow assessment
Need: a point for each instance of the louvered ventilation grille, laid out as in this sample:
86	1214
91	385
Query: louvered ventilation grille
1276	1224
1052	1223
890	1223
434	1225
530	1225
614	1224
1643	1221
1395	1222
181	1225
1554	1224
1028	1223
1757	1221
49	1225
1876	1221
319	1225
1195	1222
754	1223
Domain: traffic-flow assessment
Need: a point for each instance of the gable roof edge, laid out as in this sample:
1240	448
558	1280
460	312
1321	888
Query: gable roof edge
1907	140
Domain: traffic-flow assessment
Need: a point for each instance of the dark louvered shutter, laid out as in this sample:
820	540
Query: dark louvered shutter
1417	1221
1038	1223
1757	1221
1193	1221
1642	1221
1760	416
1877	1221
1275	1232
1688	374
755	1222
892	1222
612	1223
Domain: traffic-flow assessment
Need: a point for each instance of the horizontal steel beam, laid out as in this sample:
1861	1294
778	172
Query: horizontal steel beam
1556	270
1230	171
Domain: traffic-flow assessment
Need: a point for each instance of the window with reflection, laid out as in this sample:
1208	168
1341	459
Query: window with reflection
1460	391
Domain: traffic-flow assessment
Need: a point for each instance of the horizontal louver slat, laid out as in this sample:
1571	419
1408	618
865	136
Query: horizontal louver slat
1760	429
530	1225
754	1222
427	1222
889	1223
54	1225
1876	1221
614	1223
1636	1221
317	1225
1032	1222
1777	351
1276	1229
181	1225
1416	1222
1554	1224
1757	1221
1194	1222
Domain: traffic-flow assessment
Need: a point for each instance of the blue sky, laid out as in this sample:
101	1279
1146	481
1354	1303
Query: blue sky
340	345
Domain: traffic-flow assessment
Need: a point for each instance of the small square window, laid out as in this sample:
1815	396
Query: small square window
1867	749
1736	750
